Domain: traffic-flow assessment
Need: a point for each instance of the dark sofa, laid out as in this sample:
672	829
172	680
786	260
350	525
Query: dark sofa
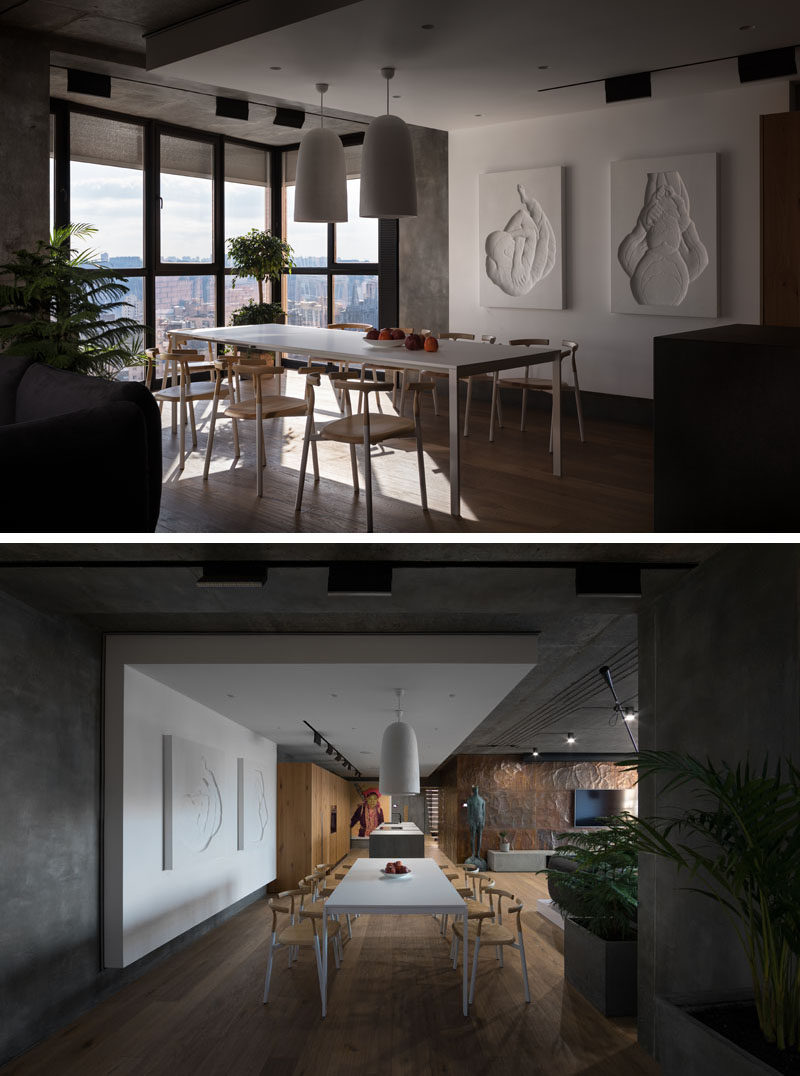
78	453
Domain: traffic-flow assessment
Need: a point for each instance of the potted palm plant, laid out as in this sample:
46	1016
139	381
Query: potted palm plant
61	307
264	256
739	845
598	898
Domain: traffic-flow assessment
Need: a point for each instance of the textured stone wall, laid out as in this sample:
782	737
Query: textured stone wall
531	802
424	245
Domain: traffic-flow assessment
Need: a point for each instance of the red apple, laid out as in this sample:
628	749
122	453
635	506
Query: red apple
372	334
431	343
398	334
384	334
414	342
389	868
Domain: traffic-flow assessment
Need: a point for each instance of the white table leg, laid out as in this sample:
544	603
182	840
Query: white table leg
455	448
465	962
557	416
324	962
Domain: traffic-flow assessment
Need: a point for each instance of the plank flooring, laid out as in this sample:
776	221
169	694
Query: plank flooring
394	1008
507	486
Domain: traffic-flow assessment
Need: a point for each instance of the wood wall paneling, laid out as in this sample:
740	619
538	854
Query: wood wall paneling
780	219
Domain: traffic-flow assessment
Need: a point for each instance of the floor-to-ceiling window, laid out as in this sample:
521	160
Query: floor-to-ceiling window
247	205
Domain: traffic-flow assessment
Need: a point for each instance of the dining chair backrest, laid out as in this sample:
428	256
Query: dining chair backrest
349	325
488	339
456	336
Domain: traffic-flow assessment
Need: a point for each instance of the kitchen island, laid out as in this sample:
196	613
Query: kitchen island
396	840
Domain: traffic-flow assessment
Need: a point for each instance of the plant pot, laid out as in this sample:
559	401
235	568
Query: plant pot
685	1046
505	846
603	971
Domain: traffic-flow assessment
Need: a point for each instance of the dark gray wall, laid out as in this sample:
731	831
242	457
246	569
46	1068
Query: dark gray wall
49	827
424	253
718	677
24	141
416	809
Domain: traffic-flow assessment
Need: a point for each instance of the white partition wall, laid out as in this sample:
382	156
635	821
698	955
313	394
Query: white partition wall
190	801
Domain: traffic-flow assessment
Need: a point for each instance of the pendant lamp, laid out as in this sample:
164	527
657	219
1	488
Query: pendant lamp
388	177
399	774
320	194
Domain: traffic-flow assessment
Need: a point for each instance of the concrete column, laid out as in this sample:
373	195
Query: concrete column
424	239
719	676
24	142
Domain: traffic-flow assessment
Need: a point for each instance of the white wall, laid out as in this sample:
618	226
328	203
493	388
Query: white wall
157	905
615	349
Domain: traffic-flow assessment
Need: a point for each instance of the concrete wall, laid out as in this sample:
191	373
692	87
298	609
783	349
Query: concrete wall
615	349
24	141
50	822
719	676
423	240
416	809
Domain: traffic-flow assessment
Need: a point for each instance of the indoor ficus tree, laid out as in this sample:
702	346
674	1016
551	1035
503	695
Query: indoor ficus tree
263	256
59	308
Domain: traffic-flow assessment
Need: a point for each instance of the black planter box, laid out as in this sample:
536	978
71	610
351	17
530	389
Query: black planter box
685	1046
603	971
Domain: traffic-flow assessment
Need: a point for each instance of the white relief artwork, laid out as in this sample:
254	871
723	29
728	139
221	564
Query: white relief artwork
663	253
524	252
253	803
664	236
521	259
200	802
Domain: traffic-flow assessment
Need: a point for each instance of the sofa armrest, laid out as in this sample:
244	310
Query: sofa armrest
85	471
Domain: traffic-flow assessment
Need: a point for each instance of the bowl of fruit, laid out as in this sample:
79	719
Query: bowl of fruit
396	869
385	338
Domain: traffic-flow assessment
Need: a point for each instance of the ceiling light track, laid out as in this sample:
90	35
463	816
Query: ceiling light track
320	740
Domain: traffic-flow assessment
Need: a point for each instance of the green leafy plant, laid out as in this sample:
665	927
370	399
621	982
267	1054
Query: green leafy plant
258	314
58	308
741	842
502	835
601	894
259	254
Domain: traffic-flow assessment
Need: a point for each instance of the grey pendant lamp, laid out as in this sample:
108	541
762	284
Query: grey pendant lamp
320	194
399	773
388	176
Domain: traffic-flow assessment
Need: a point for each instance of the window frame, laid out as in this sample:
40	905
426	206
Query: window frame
386	268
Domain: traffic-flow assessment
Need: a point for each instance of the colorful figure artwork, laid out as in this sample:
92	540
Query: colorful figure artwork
369	814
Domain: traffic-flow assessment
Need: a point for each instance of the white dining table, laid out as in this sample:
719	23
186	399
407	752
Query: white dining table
456	358
366	891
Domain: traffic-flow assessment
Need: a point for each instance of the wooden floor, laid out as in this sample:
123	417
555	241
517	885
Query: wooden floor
394	1007
507	486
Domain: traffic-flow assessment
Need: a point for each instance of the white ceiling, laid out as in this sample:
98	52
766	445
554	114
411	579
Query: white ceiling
488	58
350	704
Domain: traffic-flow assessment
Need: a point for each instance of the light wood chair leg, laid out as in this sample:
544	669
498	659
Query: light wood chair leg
318	955
521	946
354	467
211	429
404	376
368	478
182	436
466	409
522	412
303	462
259	451
420	458
435	395
193	424
474	968
315	460
578	406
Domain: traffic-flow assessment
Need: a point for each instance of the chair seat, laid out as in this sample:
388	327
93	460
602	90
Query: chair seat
381	428
270	407
303	933
476	910
197	390
313	909
540	384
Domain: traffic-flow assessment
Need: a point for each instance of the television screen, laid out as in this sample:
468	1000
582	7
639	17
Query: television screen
593	804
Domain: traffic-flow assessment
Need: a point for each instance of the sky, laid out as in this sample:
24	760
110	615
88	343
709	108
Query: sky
111	199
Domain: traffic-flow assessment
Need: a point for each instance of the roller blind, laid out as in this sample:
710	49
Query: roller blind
186	157
244	164
97	140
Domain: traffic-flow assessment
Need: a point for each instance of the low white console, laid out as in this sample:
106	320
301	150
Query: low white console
527	859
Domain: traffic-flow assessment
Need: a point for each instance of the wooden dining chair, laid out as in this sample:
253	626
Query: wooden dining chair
342	367
187	392
497	934
470	379
528	384
303	934
365	429
312	901
257	409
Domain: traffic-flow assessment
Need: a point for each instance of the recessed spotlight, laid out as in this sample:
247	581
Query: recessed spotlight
748	26
276	69
396	96
230	696
334	695
427	26
478	115
452	695
544	67
630	715
535	752
570	737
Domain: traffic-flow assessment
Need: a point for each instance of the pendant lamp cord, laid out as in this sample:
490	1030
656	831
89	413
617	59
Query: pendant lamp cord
321	113
387	97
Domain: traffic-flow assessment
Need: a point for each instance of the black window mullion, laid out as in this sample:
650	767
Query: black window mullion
218	251
388	274
276	212
61	152
152	226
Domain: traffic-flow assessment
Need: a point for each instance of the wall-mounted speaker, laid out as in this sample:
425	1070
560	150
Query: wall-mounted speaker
774	63
88	82
628	87
232	108
289	117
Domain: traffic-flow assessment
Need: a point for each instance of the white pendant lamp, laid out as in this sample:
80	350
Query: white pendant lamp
399	774
388	177
320	193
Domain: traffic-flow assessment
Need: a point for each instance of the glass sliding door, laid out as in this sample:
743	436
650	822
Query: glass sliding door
186	189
